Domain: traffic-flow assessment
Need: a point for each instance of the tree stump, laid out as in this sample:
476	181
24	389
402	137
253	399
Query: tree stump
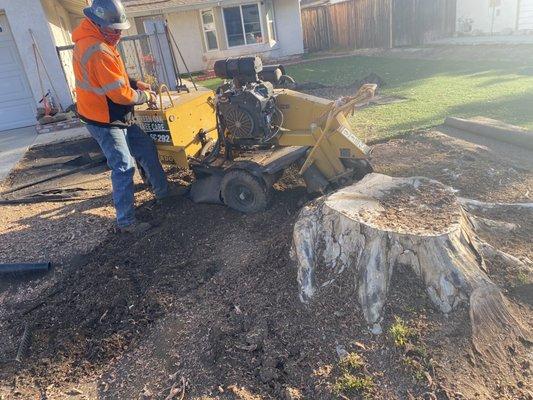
359	233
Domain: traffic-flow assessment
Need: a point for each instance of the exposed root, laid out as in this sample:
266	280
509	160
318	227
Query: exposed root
495	328
476	205
489	226
489	251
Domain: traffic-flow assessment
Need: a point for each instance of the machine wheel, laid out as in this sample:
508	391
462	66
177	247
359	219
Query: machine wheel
245	192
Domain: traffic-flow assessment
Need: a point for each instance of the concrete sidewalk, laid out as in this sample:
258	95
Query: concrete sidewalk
13	145
15	142
479	40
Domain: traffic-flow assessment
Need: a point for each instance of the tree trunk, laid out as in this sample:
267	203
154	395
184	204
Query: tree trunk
359	233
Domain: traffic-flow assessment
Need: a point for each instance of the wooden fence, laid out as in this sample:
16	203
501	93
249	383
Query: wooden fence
377	23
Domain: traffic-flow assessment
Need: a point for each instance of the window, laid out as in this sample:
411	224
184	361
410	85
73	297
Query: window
210	31
243	25
271	27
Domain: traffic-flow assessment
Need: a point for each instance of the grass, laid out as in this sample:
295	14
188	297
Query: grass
416	368
434	89
353	378
211	83
400	332
349	383
352	361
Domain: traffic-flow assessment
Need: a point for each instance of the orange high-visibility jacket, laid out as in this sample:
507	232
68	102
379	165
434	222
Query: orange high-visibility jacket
105	94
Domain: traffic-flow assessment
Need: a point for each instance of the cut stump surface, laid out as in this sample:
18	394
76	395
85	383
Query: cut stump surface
353	238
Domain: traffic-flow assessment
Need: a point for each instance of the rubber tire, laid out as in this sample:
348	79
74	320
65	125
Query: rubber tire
232	187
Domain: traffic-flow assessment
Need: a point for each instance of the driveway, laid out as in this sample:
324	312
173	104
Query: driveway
495	39
13	145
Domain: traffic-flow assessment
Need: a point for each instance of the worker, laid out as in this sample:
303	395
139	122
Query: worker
106	97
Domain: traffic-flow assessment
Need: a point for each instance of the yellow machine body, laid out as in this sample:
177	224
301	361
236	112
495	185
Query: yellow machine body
179	125
185	122
312	121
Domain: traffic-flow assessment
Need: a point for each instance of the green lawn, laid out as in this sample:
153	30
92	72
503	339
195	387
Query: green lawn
210	83
434	89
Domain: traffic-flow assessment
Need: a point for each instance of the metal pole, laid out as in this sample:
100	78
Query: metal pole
391	24
183	60
179	81
138	59
43	93
123	55
160	48
154	68
46	70
71	89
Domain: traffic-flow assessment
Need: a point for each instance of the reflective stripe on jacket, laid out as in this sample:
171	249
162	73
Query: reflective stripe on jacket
105	95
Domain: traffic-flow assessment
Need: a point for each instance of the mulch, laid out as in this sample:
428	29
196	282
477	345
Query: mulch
209	297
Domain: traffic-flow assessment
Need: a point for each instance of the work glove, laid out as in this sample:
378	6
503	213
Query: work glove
151	97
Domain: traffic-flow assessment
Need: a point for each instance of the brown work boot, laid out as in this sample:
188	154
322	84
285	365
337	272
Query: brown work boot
137	228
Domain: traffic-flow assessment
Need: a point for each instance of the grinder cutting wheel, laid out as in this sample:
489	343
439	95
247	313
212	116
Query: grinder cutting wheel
239	139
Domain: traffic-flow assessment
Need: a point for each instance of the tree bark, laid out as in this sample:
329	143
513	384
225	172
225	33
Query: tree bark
358	234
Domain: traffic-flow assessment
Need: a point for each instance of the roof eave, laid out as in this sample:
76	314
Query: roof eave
172	9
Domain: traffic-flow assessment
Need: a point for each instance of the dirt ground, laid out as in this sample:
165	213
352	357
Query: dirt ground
205	306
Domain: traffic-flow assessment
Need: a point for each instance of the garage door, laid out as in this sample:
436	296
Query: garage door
525	19
16	100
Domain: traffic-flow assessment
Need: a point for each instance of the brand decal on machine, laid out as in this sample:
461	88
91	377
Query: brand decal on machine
156	127
354	139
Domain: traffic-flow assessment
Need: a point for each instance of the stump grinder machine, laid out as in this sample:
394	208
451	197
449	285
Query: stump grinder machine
239	139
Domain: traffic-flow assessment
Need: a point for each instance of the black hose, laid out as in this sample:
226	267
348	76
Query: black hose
220	139
25	267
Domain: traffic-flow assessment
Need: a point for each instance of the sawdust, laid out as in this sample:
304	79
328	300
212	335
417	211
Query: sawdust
56	231
492	172
429	208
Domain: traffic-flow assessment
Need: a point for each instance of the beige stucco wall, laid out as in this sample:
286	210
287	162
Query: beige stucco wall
187	29
61	26
289	27
59	20
482	15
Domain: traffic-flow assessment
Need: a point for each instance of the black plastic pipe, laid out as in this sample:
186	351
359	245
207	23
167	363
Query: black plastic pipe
95	163
25	267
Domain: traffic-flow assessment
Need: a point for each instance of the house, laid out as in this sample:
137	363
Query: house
494	16
208	30
50	22
204	31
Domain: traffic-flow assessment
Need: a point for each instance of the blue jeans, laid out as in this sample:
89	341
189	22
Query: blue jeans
122	147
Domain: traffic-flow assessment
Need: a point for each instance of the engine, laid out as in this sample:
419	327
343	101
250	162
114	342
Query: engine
246	106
